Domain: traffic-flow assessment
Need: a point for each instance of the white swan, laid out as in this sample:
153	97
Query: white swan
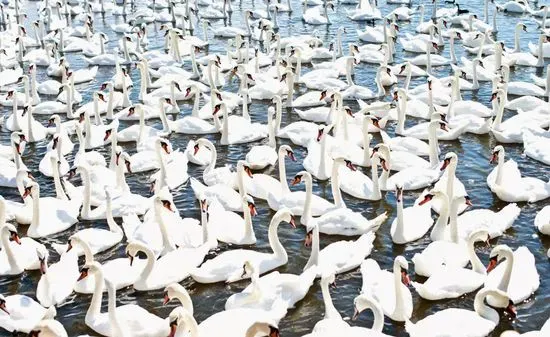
261	185
453	282
389	288
58	280
517	277
289	288
131	318
158	273
508	184
98	239
22	313
226	264
411	223
297	201
542	220
477	323
50	215
342	220
338	257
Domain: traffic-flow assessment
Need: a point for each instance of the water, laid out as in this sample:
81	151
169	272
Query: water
473	152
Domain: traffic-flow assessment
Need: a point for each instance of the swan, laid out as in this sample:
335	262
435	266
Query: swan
193	124
261	185
8	234
400	160
318	16
342	220
258	297
261	156
289	288
508	184
300	132
511	130
133	318
125	203
242	130
118	271
230	199
418	217
449	183
244	322
158	273
389	288
45	166
338	257
518	277
412	178
359	185
58	280
50	215
98	239
453	282
297	201
228	226
477	323
226	264
22	313
318	162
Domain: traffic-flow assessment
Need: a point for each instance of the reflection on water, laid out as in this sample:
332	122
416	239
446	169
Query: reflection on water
473	152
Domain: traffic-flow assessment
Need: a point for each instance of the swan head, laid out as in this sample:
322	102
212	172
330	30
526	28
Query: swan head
32	190
174	290
403	265
378	158
498	153
328	277
268	329
87	269
54	119
10	231
479	235
497	254
42	254
450	157
287	151
159	201
439	123
3	304
399	191
163	144
243	165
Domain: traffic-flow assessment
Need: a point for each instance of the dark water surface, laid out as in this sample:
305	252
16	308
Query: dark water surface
473	152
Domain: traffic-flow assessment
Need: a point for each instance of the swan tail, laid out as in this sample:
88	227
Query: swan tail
378	221
508	215
369	268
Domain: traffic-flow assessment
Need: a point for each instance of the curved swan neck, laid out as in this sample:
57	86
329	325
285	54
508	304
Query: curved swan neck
398	288
438	230
308	181
95	305
150	264
335	185
278	249
482	309
6	244
505	281
282	172
330	310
